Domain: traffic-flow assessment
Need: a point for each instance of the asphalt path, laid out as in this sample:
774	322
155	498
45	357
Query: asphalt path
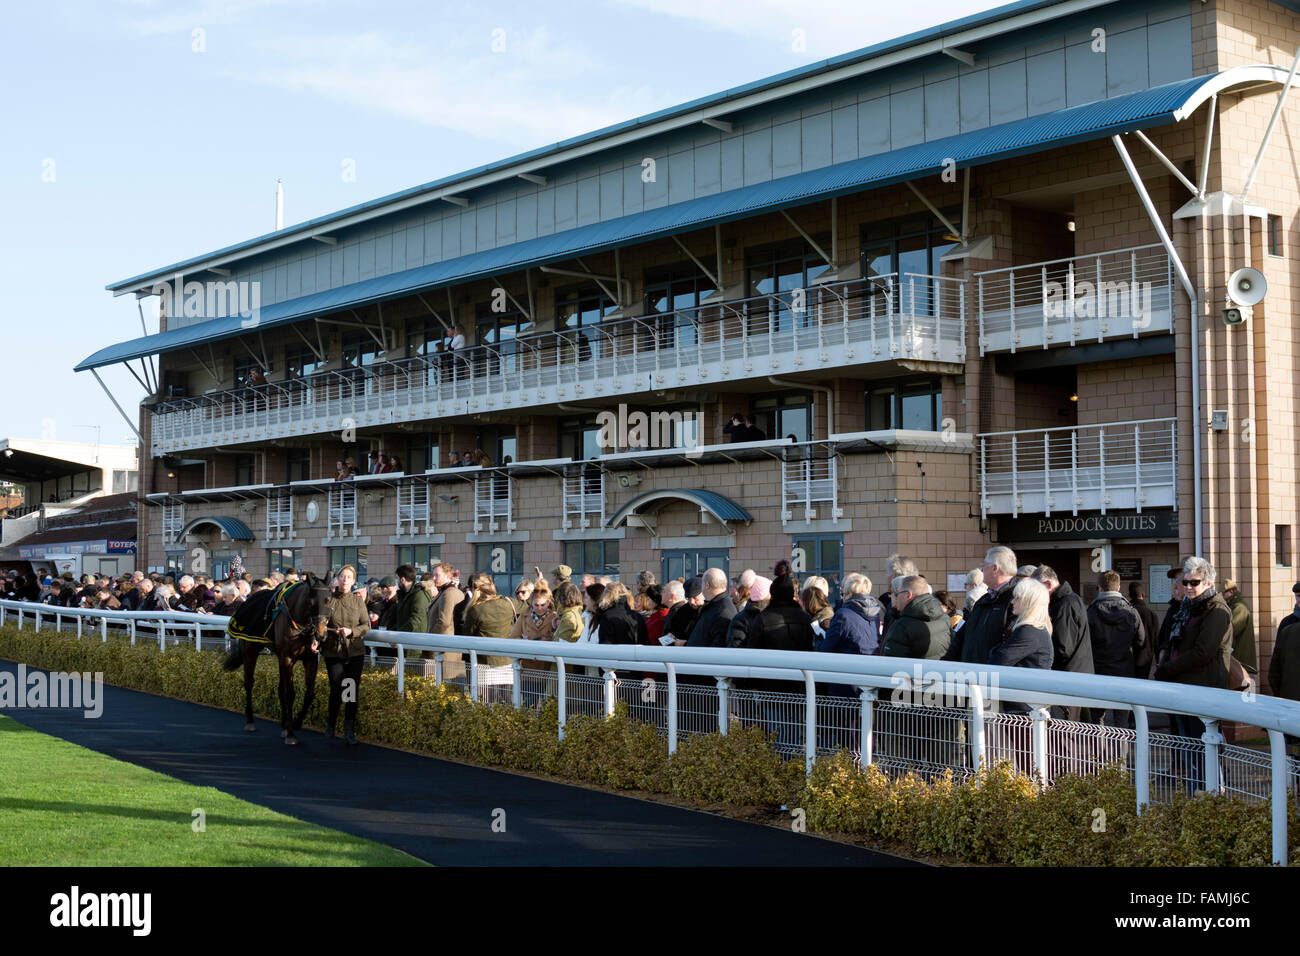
446	813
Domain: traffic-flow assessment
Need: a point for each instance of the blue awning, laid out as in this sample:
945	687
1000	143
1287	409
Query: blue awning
233	528
721	507
1142	110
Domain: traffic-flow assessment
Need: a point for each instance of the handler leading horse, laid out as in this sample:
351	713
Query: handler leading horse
289	622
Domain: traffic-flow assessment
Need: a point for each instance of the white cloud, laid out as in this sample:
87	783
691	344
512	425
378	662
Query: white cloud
155	17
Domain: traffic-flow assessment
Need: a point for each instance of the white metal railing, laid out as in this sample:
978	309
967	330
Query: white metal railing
583	498
1106	295
891	317
808	479
412	506
279	516
887	720
342	518
1116	465
493	501
173	521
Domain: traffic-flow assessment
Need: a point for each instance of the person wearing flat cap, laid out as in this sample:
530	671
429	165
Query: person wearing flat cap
1243	628
560	574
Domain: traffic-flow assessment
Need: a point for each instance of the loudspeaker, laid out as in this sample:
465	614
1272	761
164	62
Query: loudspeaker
1247	287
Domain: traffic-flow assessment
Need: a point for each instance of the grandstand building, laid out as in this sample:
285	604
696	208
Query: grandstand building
968	285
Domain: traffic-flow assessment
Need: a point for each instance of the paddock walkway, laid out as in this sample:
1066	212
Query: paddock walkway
436	810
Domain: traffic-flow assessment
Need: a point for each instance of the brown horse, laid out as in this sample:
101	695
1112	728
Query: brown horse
297	618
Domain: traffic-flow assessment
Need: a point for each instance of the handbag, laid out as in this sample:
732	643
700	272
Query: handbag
1239	676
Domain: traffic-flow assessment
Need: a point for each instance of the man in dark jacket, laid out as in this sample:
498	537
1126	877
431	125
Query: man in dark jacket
921	628
1117	638
1071	642
715	617
683	615
1144	659
855	627
619	624
1284	668
988	620
413	611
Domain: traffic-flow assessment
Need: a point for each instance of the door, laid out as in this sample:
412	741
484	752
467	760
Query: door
687	564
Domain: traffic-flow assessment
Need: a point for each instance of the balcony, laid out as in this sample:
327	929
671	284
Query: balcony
1110	295
884	319
584	498
279	517
342	510
1118	465
173	522
808	484
494	492
413	506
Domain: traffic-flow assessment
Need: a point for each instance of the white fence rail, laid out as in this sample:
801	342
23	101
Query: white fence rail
584	498
884	715
1116	465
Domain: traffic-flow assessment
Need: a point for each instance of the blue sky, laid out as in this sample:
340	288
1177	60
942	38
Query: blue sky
137	133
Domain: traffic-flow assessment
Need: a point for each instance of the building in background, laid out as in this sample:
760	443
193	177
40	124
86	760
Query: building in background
961	288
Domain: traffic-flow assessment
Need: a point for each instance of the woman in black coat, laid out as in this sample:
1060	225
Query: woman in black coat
782	626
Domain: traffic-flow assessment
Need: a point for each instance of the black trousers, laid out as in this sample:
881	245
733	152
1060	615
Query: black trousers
339	669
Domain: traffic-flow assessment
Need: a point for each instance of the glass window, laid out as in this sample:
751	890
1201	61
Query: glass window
592	557
360	350
499	444
245	466
906	249
283	559
297	464
1282	545
688	563
504	562
422	454
578	311
1275	235
497	334
913	404
353	556
819	555
422	557
778	272
423	338
785	415
300	361
676	295
579	440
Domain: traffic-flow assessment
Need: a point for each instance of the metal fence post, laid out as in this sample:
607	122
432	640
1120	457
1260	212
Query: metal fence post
867	719
611	687
103	630
401	670
38	620
976	725
472	676
516	684
198	636
724	704
132	629
1213	741
560	693
809	722
672	707
1142	757
438	657
80	619
1039	716
1277	748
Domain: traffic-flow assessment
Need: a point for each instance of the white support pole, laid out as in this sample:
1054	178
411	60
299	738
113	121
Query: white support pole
401	670
1268	131
560	693
1039	717
472	676
517	683
438	657
672	707
1142	758
198	636
611	687
809	722
976	697
103	630
867	720
724	704
1213	742
1277	749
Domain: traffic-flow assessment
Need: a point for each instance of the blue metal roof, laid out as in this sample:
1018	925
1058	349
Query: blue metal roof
1141	110
721	507
234	529
972	21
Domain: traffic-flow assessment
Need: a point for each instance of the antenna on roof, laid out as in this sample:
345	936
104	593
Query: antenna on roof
279	205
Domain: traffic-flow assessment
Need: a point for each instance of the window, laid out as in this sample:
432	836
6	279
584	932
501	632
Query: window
592	557
245	465
778	271
579	439
360	350
915	404
687	564
578	310
785	415
498	443
124	481
297	464
680	289
300	361
504	562
1275	235
175	564
821	555
1282	545
422	338
497	332
283	559
909	246
421	454
244	365
422	557
353	556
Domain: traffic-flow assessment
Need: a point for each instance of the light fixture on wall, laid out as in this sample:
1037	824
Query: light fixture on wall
1070	225
1074	396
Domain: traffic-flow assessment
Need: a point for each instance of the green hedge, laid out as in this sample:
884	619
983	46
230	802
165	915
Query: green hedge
996	817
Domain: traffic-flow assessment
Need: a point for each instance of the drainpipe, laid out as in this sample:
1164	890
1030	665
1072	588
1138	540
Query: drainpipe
830	399
1195	330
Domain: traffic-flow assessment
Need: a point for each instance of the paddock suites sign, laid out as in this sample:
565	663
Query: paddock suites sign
1114	524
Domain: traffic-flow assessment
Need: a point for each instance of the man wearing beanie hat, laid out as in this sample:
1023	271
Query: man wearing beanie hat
782	626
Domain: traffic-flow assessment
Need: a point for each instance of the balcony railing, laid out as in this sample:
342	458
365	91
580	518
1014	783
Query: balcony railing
279	517
413	506
1109	295
173	520
493	501
342	518
808	480
584	499
886	318
1118	465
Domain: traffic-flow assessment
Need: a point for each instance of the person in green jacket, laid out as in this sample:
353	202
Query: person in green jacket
488	615
1243	628
413	612
344	648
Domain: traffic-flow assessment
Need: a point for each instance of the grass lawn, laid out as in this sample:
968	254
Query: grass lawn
64	805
